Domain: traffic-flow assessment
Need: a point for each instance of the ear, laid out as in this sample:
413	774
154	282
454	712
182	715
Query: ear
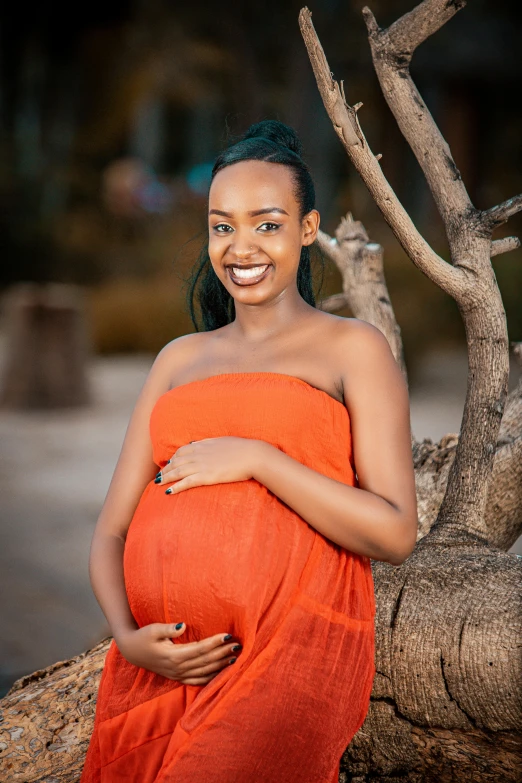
310	227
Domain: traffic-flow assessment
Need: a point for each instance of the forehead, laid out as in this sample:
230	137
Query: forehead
252	184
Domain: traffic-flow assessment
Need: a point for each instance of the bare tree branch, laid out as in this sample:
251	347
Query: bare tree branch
360	263
346	125
412	29
504	245
392	50
333	303
495	216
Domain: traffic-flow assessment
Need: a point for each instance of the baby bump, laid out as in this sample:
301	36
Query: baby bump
213	557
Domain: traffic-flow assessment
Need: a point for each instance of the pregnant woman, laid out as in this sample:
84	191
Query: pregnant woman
236	579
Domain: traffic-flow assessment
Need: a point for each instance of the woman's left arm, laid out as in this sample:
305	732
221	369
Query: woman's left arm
378	518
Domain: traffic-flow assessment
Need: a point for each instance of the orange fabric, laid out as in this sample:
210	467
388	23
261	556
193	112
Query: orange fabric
234	558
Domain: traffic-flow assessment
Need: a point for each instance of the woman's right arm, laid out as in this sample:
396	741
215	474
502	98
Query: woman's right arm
193	663
134	469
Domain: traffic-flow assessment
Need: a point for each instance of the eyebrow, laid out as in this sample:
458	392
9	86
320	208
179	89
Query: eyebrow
252	212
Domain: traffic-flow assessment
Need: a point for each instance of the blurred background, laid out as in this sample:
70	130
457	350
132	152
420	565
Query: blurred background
111	117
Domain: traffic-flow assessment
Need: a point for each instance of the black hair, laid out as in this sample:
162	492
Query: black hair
275	142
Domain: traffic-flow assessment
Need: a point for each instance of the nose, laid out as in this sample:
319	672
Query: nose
243	252
242	247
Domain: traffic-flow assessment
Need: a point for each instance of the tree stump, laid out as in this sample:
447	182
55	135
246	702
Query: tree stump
47	347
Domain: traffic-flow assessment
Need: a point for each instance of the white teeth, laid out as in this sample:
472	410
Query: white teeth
255	271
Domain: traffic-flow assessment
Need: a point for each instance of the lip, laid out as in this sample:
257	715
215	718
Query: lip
249	281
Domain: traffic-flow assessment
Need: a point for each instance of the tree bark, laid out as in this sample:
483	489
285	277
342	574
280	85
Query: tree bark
46	720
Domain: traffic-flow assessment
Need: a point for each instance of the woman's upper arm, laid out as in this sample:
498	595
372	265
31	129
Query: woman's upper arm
135	467
376	395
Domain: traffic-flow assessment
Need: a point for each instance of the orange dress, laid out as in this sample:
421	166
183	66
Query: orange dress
233	558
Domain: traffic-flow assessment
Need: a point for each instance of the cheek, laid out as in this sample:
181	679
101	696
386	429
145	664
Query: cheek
216	251
220	273
285	251
287	243
215	248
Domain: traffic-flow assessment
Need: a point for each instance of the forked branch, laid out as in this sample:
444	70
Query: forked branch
346	124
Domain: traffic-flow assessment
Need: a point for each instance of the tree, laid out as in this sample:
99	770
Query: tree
446	699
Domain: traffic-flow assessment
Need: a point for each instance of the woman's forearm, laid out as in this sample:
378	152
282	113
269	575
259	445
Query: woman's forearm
354	518
107	580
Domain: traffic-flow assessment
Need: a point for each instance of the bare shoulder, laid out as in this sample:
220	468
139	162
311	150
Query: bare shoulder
355	340
182	347
364	356
176	355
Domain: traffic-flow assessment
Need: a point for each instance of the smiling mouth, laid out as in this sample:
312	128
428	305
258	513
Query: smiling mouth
248	275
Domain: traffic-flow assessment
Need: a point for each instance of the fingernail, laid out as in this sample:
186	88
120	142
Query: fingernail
232	660
158	473
227	637
178	626
236	648
168	491
157	480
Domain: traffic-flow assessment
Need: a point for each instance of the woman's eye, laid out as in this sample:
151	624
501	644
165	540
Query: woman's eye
271	227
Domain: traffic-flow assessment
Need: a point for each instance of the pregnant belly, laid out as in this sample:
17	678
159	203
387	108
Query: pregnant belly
213	557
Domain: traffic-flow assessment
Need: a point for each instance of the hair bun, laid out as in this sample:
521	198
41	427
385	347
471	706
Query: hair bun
278	132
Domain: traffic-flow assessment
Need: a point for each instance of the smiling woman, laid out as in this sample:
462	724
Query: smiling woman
257	531
278	232
249	273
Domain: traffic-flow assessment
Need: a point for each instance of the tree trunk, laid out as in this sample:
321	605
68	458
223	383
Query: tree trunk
46	720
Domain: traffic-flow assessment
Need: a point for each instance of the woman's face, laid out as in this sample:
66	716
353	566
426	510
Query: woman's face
255	233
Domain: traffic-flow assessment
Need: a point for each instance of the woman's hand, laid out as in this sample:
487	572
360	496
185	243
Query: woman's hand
211	461
194	663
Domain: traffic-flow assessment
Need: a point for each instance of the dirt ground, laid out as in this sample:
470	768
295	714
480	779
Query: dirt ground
55	470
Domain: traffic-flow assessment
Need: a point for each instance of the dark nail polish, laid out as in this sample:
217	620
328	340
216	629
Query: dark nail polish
178	626
236	648
168	491
227	637
158	474
157	480
232	660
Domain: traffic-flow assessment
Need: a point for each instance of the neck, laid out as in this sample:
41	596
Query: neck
257	322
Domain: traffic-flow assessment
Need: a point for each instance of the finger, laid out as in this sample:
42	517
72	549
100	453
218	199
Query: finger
172	461
194	480
216	656
167	630
191	650
187	448
177	472
168	472
209	668
197	680
177	677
